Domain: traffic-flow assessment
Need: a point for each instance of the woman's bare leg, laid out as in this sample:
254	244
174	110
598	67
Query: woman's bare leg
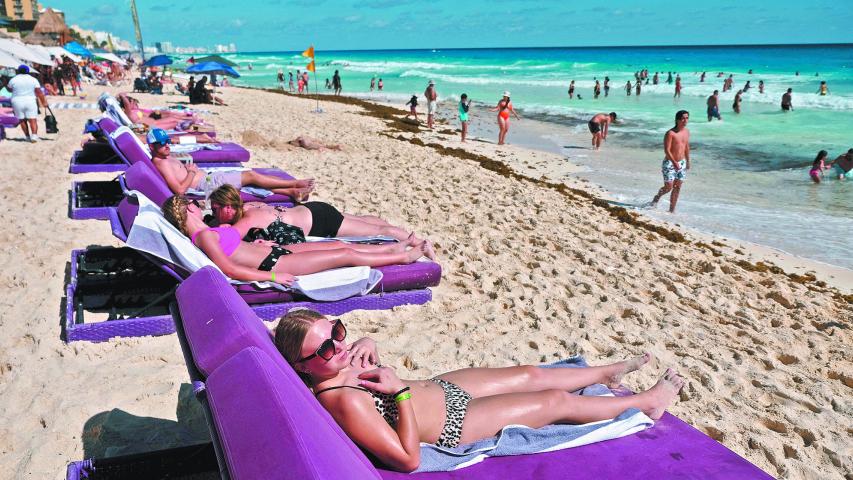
351	227
366	218
366	248
312	262
484	382
487	415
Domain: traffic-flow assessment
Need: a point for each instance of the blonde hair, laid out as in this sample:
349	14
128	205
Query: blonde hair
228	196
175	211
290	334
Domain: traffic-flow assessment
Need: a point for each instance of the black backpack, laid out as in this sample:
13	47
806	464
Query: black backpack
50	125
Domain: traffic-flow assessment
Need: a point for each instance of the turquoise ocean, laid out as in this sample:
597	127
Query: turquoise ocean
750	177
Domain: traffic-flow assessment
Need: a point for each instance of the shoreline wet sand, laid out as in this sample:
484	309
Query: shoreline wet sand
534	270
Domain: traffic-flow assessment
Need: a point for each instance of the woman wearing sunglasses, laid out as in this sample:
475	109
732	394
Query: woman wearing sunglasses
267	261
287	226
390	417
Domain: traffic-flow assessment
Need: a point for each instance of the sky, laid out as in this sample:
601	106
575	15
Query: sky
284	25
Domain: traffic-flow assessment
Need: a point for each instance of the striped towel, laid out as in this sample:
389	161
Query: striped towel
73	106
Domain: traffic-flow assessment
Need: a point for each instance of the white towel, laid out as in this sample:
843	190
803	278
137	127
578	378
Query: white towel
111	108
122	130
153	234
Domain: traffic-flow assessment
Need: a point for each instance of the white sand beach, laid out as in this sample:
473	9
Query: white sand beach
533	272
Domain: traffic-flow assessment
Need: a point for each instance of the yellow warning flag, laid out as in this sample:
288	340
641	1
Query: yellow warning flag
311	67
309	52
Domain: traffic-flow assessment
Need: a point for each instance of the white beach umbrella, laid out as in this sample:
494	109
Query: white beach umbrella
58	52
7	60
109	57
22	51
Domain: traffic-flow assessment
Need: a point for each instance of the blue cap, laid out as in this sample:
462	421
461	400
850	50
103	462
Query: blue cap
158	135
23	69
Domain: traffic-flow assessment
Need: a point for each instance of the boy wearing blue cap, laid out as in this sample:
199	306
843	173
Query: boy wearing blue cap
26	97
180	177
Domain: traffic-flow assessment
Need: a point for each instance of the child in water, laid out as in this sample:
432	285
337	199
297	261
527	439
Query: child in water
464	105
818	166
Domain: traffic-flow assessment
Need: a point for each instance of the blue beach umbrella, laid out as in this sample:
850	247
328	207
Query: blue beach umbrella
213	68
77	49
158	61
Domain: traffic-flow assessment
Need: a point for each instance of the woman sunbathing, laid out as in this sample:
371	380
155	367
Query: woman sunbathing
265	261
287	226
389	417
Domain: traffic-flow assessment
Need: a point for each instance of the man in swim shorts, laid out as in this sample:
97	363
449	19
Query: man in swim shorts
786	101
180	177
432	103
599	125
714	106
676	147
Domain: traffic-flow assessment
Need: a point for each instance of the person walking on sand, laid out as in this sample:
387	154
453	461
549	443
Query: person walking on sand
676	148
786	101
504	108
599	126
464	106
336	83
26	98
714	106
413	107
736	104
432	103
572	90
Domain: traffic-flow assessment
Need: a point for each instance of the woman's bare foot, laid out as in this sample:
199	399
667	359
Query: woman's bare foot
302	194
402	245
429	251
620	369
307	183
663	394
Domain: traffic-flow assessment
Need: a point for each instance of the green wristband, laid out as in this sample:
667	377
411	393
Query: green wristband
272	276
402	397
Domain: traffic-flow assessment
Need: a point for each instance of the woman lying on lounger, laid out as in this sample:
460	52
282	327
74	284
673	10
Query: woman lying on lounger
287	226
164	119
389	417
264	261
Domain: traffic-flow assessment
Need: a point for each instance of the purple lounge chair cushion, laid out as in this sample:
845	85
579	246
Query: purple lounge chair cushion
228	152
8	121
107	125
271	427
141	177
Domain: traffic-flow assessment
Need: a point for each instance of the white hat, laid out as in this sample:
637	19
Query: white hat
431	82
506	93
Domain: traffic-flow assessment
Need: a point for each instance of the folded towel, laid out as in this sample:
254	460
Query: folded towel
193	147
153	234
256	191
522	440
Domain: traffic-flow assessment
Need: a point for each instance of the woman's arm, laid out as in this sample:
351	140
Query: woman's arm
397	448
209	243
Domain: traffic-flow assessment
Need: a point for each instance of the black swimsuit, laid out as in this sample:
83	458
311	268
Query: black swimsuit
278	232
326	219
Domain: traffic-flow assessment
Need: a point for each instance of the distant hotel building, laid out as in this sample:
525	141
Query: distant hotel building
20	9
165	47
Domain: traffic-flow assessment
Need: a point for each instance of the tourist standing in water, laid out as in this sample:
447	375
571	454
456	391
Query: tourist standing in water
736	103
843	165
290	82
596	91
702	78
787	99
381	85
655	79
676	148
606	86
432	103
823	90
336	83
677	86
504	108
761	86
638	87
372	83
628	88
464	106
571	90
669	78
714	106
599	125
280	78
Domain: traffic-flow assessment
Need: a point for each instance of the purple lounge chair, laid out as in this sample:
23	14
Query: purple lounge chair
96	157
90	288
266	424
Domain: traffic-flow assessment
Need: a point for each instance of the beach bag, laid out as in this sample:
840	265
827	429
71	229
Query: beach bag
50	125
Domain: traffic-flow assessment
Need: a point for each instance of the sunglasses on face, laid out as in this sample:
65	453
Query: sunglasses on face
199	204
326	350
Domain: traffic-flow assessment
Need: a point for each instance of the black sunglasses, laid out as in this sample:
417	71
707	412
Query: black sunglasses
326	350
198	204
